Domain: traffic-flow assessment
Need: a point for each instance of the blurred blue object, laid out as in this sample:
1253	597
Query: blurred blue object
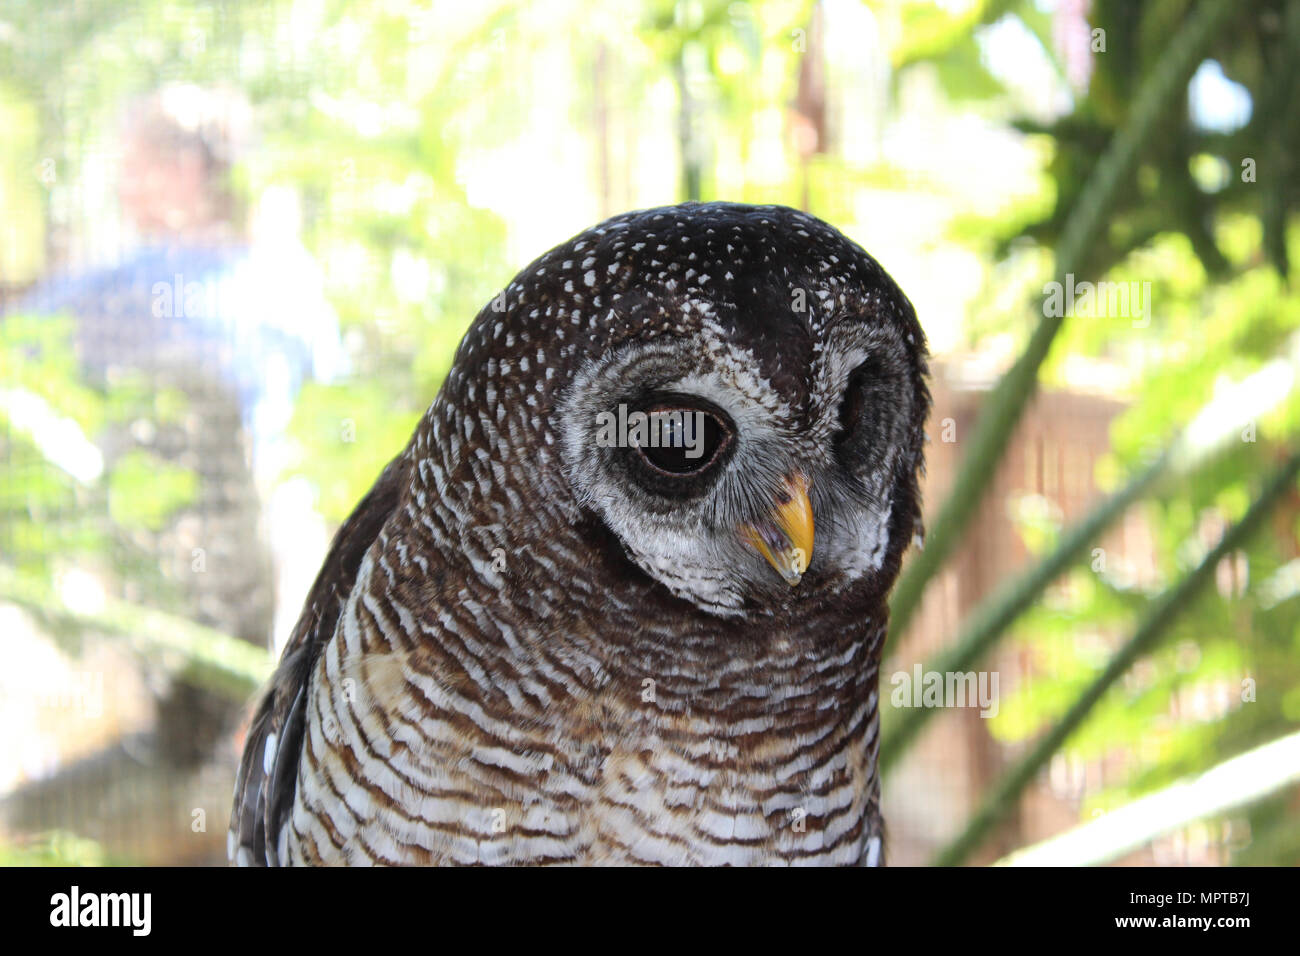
251	318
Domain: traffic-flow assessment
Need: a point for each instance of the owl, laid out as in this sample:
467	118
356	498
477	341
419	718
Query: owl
622	597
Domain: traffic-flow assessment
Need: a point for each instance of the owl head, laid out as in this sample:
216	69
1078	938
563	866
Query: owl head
734	393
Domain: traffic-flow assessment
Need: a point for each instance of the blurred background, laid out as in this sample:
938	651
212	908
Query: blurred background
239	242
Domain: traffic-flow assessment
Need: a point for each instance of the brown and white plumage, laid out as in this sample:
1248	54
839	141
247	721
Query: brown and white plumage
525	647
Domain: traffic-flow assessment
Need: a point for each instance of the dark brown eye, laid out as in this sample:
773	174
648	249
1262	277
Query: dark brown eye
681	440
865	382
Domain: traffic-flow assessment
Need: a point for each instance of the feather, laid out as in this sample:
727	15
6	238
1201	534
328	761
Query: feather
264	788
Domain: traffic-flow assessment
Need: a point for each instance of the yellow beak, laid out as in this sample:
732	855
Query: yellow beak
786	541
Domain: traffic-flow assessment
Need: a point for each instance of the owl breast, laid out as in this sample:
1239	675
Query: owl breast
419	752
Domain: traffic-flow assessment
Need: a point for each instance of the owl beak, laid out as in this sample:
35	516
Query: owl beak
785	540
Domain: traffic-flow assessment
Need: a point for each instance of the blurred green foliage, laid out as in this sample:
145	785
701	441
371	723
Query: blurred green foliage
380	116
50	421
1216	250
59	848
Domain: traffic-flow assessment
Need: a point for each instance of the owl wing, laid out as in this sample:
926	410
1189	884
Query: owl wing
264	787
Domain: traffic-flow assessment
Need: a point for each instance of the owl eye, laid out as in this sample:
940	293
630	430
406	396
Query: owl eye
863	382
682	440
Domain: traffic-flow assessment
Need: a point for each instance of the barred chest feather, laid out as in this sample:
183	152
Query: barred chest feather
434	742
